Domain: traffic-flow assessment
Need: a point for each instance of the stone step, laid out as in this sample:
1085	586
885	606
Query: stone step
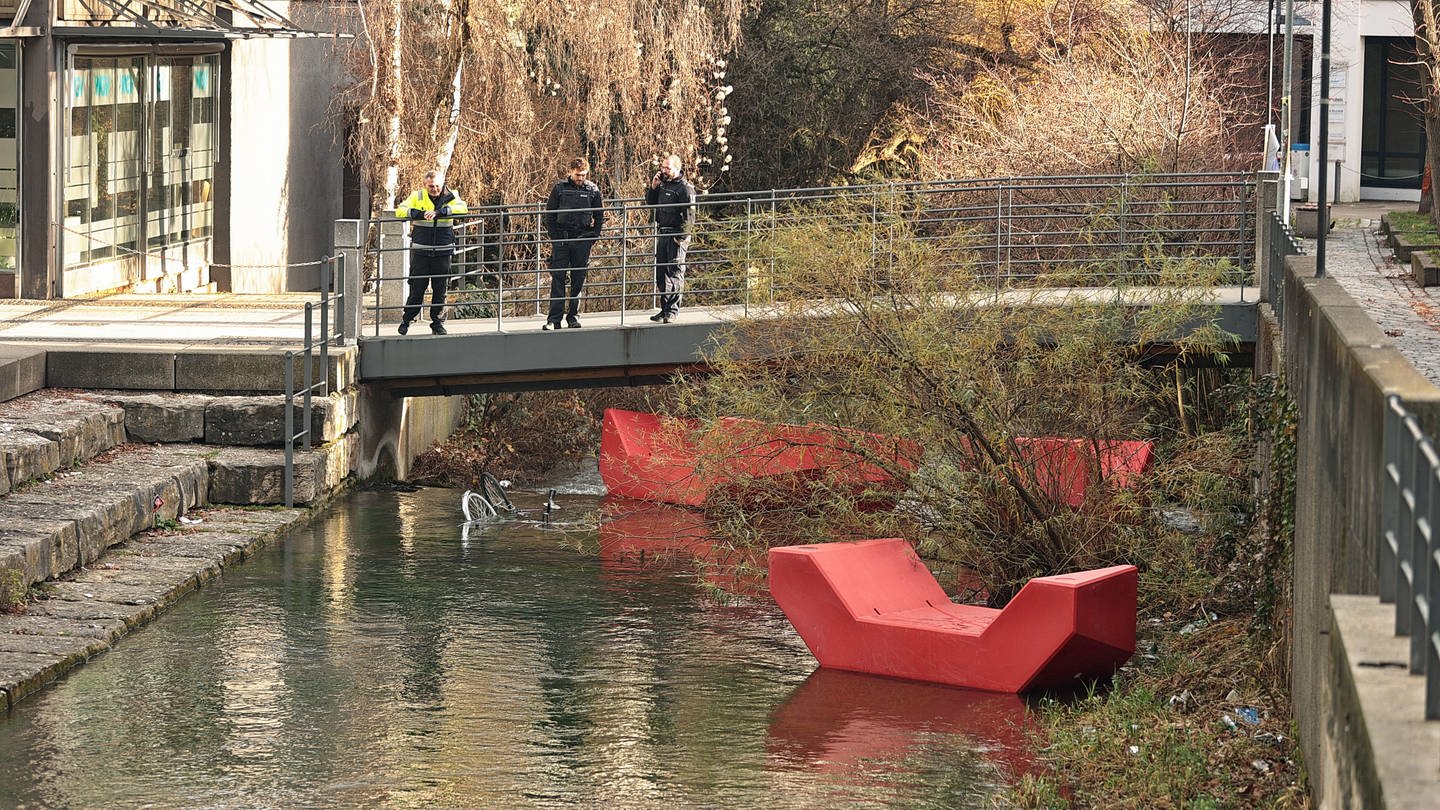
49	528
89	611
229	420
52	527
191	367
46	431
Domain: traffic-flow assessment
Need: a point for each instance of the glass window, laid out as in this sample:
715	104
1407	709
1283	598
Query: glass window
138	165
9	159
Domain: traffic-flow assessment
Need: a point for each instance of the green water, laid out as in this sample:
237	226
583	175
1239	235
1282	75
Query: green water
381	658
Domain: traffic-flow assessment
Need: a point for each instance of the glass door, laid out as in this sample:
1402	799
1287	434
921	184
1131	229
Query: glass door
1392	140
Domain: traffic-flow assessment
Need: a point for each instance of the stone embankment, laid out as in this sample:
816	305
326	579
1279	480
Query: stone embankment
115	505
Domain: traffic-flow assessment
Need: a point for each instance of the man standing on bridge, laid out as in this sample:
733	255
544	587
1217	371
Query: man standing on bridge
574	215
673	198
432	243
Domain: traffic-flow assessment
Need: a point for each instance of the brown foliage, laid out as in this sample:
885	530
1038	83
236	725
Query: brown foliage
520	88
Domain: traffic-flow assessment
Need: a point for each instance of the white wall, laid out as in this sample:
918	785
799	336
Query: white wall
1351	20
285	153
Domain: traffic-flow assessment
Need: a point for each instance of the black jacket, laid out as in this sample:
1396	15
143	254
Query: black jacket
675	198
565	214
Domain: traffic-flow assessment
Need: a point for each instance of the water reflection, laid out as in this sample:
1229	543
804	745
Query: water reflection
840	721
374	661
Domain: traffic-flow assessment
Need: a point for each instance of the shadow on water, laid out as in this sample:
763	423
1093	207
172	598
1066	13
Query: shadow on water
376	660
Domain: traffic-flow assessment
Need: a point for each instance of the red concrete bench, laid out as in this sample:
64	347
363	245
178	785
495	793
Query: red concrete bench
874	607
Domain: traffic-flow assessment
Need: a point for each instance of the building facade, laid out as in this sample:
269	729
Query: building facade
167	145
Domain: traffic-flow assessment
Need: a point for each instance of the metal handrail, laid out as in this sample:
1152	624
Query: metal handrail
1408	558
332	294
1280	245
1117	225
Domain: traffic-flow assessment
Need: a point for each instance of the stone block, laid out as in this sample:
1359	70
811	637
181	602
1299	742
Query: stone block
261	371
22	370
124	368
260	421
1405	244
37	547
78	435
26	456
243	476
1424	268
163	417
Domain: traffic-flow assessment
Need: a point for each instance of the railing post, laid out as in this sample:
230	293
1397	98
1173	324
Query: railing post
309	371
1267	195
1390	501
289	478
750	274
349	241
624	260
540	286
394	264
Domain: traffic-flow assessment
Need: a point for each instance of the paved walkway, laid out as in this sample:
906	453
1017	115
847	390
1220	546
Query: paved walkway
1356	256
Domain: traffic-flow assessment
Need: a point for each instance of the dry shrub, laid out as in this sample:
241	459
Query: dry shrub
524	436
502	94
1125	100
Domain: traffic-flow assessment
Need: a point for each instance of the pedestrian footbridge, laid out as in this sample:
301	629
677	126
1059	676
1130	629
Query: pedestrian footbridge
1072	237
618	348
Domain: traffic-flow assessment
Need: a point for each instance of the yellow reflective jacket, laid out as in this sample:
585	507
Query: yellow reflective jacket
432	233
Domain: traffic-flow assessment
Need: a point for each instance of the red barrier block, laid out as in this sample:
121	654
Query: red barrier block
874	607
1064	467
648	457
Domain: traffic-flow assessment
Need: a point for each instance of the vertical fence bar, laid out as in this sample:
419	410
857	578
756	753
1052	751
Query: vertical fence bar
624	261
1390	501
324	350
342	301
1418	606
289	478
750	274
774	228
539	262
308	380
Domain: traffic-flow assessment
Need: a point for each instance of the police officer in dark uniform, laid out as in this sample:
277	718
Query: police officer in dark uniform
673	198
573	218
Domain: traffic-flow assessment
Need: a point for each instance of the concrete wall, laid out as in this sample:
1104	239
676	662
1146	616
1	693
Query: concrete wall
395	430
284	171
1340	368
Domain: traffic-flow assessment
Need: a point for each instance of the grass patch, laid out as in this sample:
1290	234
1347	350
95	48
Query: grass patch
1200	717
13	594
1411	222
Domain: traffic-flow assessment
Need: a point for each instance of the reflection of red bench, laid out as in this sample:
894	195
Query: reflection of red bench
1063	468
846	721
874	607
649	457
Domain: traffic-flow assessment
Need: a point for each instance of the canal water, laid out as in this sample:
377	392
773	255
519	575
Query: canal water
384	657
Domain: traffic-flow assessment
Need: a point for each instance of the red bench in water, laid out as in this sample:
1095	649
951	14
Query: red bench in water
649	457
874	607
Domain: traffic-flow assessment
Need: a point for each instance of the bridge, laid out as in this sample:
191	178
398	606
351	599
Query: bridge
1054	241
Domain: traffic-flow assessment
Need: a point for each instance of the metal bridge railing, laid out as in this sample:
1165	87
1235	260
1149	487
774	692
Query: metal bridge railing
1409	555
1034	231
1280	244
332	295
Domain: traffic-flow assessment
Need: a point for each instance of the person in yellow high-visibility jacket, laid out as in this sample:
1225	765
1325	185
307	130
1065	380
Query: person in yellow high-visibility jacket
432	243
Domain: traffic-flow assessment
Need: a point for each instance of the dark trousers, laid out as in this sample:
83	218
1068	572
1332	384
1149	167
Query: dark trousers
427	270
670	270
567	257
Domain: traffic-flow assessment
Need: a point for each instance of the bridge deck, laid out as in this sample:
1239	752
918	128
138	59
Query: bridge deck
618	348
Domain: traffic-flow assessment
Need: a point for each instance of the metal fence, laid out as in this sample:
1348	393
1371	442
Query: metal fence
1409	556
332	296
1036	231
1280	244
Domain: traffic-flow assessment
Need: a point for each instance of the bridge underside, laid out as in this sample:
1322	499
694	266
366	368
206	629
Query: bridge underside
602	354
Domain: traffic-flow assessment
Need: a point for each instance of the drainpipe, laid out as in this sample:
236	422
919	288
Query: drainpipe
1322	213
